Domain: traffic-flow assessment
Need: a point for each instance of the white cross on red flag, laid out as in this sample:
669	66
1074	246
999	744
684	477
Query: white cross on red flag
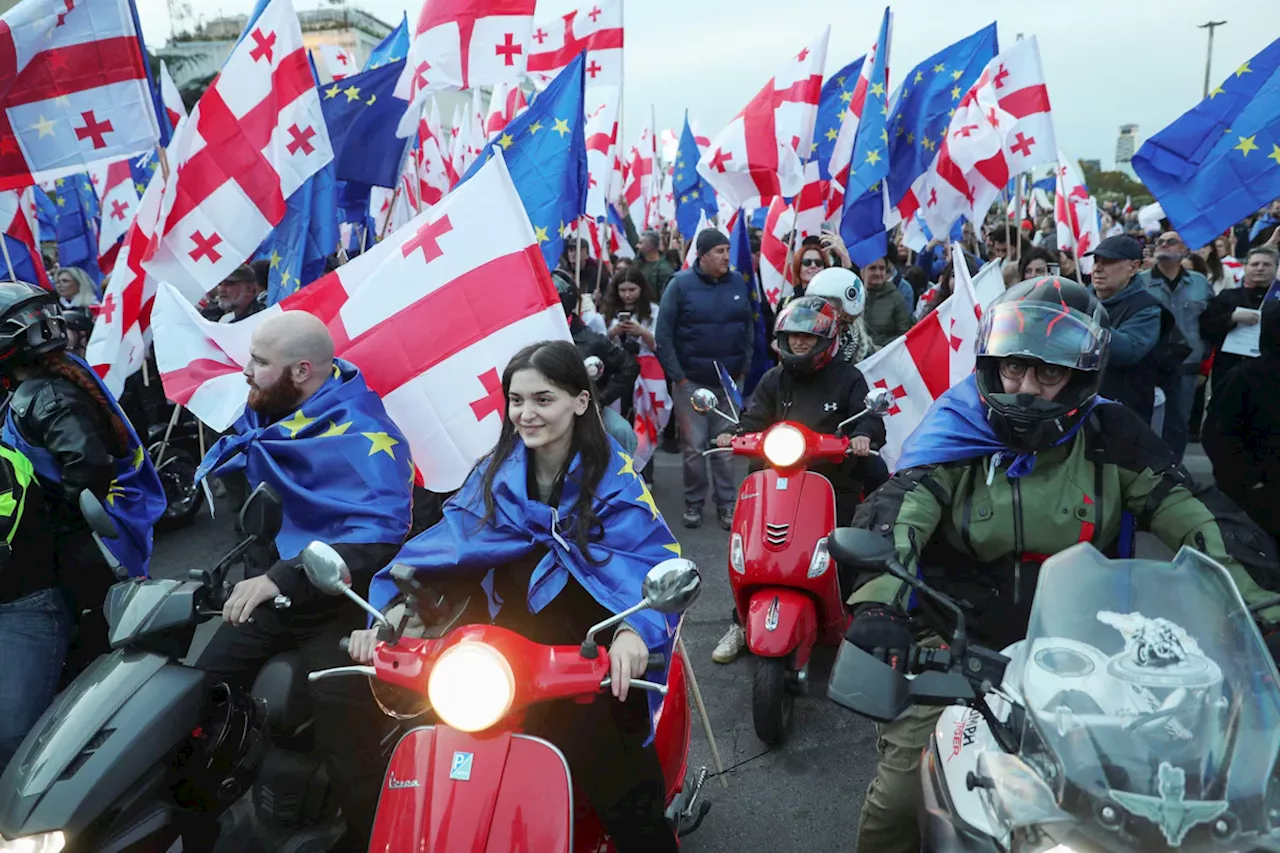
761	153
73	89
255	136
919	366
431	316
1002	127
595	28
458	44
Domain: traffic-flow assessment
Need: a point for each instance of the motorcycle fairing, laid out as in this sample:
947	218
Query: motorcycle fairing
779	621
448	791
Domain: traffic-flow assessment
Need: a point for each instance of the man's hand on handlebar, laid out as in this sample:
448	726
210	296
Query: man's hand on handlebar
860	445
246	597
628	659
361	645
724	439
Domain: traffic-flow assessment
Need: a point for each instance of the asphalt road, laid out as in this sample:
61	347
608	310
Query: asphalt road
803	796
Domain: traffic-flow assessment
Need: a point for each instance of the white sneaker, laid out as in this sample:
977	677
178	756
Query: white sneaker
730	645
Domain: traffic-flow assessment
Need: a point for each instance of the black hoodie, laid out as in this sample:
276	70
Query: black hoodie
1241	434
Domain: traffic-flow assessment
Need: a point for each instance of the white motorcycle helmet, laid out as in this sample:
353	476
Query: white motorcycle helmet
841	285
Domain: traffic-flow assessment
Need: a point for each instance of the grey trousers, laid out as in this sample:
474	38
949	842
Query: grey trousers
697	432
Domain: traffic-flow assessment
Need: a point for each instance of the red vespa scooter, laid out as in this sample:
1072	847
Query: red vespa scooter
785	587
475	783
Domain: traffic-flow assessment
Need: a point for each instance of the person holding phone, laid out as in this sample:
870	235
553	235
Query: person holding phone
630	311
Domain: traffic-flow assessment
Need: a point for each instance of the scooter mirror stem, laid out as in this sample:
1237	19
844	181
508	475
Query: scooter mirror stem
368	608
590	650
848	421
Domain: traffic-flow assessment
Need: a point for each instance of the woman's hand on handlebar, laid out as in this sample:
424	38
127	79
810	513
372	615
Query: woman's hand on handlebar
860	445
628	659
361	645
724	439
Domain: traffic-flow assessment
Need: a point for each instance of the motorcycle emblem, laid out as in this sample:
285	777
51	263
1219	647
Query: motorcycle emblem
1171	811
394	784
461	768
771	616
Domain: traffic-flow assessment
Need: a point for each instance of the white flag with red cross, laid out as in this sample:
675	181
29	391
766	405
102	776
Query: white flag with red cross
919	366
775	273
431	316
18	220
761	153
119	206
339	61
595	28
652	403
1002	127
640	187
505	104
432	162
601	108
174	106
842	152
73	89
256	135
1075	214
460	44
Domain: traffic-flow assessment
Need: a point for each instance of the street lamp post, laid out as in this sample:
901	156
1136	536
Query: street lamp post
1208	60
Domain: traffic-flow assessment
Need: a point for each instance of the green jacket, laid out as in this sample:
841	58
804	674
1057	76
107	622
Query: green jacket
886	315
657	273
965	528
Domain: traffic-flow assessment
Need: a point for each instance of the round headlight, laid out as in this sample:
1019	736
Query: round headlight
471	686
783	446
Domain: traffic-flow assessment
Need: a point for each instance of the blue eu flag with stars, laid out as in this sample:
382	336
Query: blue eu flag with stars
833	104
862	220
361	114
546	153
761	357
694	196
1221	161
339	464
393	48
78	216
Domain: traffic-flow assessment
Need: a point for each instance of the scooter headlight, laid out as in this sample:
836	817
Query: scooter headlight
783	446
471	686
737	561
45	842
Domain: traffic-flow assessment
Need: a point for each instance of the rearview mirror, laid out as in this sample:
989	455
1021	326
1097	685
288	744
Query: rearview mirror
879	401
861	549
326	569
95	515
672	585
703	400
594	366
262	514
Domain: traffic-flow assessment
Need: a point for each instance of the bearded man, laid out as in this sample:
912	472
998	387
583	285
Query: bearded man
322	440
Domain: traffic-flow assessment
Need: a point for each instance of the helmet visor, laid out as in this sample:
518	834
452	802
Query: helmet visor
1054	334
805	318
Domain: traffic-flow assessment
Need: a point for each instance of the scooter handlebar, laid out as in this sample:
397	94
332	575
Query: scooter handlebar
367	671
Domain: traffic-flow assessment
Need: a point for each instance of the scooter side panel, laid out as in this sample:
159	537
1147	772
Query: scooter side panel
125	713
671	734
451	792
780	620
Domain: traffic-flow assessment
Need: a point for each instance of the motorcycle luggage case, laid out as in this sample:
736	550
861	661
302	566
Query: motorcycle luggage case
447	790
124	714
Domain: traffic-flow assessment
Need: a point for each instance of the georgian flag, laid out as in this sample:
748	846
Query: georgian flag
601	108
1076	215
640	180
18	222
431	316
119	207
340	61
505	104
174	107
595	28
775	272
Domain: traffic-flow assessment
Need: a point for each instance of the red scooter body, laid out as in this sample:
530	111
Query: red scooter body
448	791
787	602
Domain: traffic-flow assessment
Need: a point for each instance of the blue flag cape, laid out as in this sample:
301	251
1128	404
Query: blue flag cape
339	464
635	539
136	497
956	428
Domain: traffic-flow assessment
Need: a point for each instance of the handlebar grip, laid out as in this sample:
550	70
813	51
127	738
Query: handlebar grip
344	645
282	602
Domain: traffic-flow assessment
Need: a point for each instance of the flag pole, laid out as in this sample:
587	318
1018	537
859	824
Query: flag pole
1017	217
702	713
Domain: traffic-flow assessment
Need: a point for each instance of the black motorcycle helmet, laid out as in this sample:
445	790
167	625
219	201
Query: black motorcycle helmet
31	323
78	320
807	315
567	290
1045	320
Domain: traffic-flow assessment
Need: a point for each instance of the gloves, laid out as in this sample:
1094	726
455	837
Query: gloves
882	631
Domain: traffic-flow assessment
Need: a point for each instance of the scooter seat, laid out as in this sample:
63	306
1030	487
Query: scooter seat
282	685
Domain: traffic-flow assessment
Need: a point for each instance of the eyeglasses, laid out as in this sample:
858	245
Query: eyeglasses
812	262
1045	374
1168	241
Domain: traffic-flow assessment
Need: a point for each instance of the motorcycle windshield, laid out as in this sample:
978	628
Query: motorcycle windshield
1151	699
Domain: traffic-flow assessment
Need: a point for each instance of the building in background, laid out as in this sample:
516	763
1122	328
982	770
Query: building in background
1126	145
1091	165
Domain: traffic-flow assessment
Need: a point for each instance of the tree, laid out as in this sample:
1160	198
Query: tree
1114	186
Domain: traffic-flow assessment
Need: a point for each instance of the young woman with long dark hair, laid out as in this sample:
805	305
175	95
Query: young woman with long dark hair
565	530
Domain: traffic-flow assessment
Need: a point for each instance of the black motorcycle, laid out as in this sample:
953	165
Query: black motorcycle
139	754
176	461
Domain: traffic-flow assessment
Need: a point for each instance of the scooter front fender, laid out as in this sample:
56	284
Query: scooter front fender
780	621
452	792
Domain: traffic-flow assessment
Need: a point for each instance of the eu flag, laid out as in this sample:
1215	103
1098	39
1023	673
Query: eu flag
362	113
46	217
922	106
546	153
339	464
78	218
833	103
740	261
393	48
862	220
633	539
1220	161
135	499
693	194
142	168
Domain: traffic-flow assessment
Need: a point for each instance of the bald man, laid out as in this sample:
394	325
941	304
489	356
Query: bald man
322	440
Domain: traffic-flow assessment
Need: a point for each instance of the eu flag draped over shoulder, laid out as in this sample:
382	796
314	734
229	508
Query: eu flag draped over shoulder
694	196
634	538
762	357
546	152
339	464
1221	161
135	500
862	220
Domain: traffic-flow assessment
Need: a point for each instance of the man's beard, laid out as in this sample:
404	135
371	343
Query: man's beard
278	398
225	305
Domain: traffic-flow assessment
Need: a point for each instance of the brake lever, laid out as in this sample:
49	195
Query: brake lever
637	683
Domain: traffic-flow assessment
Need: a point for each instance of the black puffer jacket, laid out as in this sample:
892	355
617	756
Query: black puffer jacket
620	367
